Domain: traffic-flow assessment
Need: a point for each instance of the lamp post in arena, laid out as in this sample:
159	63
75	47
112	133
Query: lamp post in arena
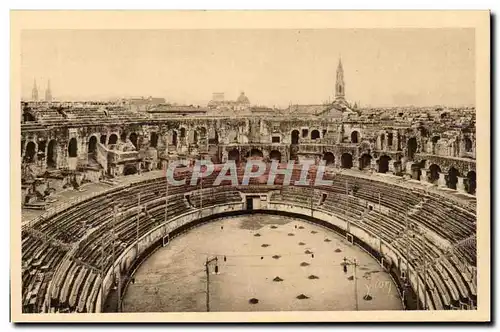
355	265
207	271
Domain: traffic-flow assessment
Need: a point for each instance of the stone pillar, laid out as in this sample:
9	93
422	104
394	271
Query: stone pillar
442	180
423	175
461	184
355	162
408	167
373	165
391	167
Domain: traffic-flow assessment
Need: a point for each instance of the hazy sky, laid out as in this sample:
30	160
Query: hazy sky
274	67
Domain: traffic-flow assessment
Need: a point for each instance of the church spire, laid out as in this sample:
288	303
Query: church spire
48	93
339	84
34	91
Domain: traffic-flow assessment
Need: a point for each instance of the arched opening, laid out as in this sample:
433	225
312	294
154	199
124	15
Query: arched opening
471	183
346	160
434	171
365	161
434	141
234	154
329	158
452	178
129	170
92	144
153	140
468	144
355	137
416	172
52	154
390	137
41	149
103	139
295	137
216	138
382	141
203	132
183	132
315	134
305	133
73	148
28	117
275	155
195	136
113	139
174	138
383	164
123	137
133	139
30	153
256	153
412	147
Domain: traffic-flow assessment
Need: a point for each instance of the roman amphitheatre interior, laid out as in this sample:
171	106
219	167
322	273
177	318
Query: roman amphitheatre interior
103	230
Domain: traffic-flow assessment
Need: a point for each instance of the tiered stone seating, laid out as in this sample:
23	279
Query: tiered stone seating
87	226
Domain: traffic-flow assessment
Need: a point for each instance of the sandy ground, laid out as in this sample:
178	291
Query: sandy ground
174	278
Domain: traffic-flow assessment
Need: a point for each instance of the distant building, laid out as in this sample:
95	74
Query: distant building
48	93
140	104
34	91
218	102
218	96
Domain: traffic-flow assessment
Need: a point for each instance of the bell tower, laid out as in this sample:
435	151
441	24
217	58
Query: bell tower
48	92
339	84
34	91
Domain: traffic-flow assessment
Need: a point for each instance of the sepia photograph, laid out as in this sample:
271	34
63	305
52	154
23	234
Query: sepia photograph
250	166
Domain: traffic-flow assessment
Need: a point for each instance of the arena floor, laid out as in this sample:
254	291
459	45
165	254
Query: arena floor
174	278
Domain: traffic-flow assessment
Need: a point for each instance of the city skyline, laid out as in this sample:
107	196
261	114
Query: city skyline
419	67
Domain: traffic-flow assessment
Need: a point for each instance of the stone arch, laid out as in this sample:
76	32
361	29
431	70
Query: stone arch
275	155
390	139
467	144
73	148
133	139
129	170
383	164
174	138
315	134
123	137
452	178
113	139
416	169
182	132
255	153
434	171
92	144
382	141
346	160
329	158
234	154
153	139
470	186
103	139
52	153
30	152
412	147
365	161
355	137
295	136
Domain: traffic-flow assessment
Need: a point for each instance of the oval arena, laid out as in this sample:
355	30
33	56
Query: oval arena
96	203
